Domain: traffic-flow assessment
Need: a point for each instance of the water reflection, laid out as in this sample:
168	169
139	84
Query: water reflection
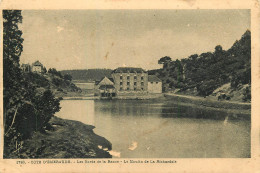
128	107
164	109
151	129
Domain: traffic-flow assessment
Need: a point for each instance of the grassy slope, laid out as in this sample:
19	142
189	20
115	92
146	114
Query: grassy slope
67	139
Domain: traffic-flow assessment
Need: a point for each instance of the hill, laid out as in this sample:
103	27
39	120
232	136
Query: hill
88	75
202	74
53	80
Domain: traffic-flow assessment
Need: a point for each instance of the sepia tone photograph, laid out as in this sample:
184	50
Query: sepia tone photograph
127	83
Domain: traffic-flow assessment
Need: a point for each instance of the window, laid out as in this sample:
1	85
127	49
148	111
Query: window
121	83
135	83
128	83
128	77
151	82
121	77
135	77
142	83
128	88
142	78
121	89
135	89
156	82
142	88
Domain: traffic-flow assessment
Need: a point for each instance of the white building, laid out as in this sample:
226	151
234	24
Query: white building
154	84
37	67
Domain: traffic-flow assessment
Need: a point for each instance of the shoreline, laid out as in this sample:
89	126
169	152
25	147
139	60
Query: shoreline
180	98
198	107
120	97
191	106
208	102
66	139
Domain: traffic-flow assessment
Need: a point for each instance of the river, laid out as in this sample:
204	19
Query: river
146	129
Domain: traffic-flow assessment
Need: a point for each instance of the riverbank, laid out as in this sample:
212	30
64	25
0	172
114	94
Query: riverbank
199	107
65	139
119	97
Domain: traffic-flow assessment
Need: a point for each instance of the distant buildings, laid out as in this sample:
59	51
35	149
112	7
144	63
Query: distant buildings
36	67
26	67
128	80
105	88
154	84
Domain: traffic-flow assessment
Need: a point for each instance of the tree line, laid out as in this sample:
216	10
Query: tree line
88	74
205	72
26	110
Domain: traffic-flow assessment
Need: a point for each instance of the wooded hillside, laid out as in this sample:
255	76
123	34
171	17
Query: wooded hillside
88	75
202	74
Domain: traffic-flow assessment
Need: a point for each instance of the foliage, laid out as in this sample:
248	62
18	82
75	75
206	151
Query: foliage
68	77
45	106
55	72
88	75
57	81
25	109
164	60
247	94
44	70
208	71
37	79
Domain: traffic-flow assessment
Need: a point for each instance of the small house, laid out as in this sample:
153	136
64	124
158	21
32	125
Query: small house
154	84
37	67
105	88
26	67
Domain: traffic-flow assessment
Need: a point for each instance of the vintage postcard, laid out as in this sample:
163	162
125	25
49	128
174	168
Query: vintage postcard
128	86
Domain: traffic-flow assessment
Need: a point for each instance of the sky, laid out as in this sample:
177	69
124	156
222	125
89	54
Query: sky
87	39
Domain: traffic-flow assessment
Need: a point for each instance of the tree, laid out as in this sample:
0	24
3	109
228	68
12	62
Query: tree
44	70
218	48
68	77
194	56
22	104
12	48
164	60
55	72
45	105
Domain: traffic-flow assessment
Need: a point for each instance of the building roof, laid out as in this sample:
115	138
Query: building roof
105	81
37	63
128	70
153	78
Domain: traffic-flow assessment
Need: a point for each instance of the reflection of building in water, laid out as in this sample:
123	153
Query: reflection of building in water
128	81
127	107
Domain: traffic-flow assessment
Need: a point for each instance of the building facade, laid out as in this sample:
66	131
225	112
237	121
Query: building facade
129	79
105	88
37	67
154	84
26	67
